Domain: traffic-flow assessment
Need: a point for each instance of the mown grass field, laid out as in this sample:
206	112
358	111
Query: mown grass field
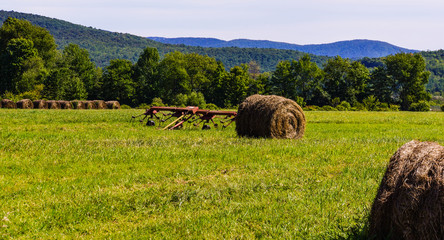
91	174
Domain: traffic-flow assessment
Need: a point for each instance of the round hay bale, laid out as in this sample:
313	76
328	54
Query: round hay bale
25	104
410	200
76	104
89	105
270	117
64	104
100	104
52	104
6	103
40	104
113	104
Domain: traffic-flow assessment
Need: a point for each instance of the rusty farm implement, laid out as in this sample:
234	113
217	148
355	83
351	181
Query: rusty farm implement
176	117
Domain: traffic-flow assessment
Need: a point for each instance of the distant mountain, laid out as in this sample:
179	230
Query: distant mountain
354	49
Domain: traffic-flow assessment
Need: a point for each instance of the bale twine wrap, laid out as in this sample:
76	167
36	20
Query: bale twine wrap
25	104
52	104
6	103
410	200
100	104
64	104
40	104
271	117
113	104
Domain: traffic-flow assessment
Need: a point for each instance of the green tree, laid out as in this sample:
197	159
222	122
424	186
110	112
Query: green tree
117	82
409	75
43	41
345	79
146	75
236	85
62	84
78	62
27	53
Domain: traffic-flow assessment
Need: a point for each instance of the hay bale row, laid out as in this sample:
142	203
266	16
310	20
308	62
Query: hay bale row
270	117
6	103
410	199
59	104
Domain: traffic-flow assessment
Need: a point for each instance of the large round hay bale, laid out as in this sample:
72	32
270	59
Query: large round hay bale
25	104
40	104
410	200
100	104
113	104
64	104
89	105
52	104
6	103
270	117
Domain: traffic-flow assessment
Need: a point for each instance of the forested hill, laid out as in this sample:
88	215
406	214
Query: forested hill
104	45
353	49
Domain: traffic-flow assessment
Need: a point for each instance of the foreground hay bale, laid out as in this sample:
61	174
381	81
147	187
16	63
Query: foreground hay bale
6	103
64	104
40	104
53	104
100	104
25	104
112	104
271	117
410	200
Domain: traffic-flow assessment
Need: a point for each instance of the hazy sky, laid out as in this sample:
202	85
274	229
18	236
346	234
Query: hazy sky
407	23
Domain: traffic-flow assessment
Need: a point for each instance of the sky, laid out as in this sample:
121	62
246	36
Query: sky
410	24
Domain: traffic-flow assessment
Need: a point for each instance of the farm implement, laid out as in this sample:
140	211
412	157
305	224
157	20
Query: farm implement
175	117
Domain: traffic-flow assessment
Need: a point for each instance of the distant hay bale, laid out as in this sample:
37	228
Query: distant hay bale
6	103
271	117
25	104
40	104
52	104
76	104
89	105
100	104
113	104
64	104
410	200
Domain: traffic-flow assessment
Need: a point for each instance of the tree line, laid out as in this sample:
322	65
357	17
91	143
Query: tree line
32	67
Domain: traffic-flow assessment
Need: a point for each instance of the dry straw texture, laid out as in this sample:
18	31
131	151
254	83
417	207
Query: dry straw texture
100	104
40	104
271	117
25	104
6	103
113	104
410	200
53	104
64	104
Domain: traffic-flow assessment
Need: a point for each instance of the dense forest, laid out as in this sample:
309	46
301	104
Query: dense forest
32	67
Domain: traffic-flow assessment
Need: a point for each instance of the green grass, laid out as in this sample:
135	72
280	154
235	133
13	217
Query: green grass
92	174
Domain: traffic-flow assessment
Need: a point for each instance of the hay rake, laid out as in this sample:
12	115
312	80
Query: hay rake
190	114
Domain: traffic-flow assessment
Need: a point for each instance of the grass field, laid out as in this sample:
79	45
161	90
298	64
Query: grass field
91	174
